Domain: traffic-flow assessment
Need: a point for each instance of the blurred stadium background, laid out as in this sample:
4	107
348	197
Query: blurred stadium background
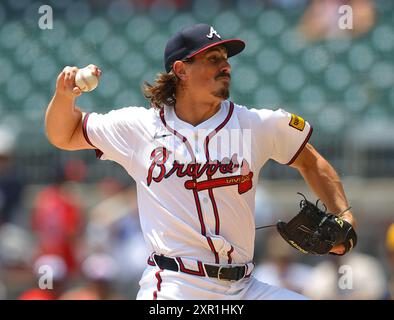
341	81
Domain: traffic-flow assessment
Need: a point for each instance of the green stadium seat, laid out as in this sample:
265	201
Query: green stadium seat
291	77
133	65
201	11
78	48
149	75
254	42
271	23
120	12
30	16
91	58
331	119
374	113
11	34
249	8
310	110
34	105
292	41
18	5
114	49
77	14
229	22
52	38
246	78
63	53
337	76
234	63
60	4
110	83
315	59
89	102
180	21
337	46
382	74
6	70
383	38
311	98
269	60
154	46
97	30
361	57
18	87
356	98
44	70
139	29
267	96
161	12
127	98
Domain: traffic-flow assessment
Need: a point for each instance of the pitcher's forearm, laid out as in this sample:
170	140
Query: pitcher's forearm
325	182
61	120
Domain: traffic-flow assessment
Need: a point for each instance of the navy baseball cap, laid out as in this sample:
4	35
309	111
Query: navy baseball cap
196	39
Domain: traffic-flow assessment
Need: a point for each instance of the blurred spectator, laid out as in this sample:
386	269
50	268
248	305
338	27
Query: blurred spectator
57	221
114	228
10	186
99	270
265	210
109	187
390	255
320	20
16	246
55	285
367	279
280	267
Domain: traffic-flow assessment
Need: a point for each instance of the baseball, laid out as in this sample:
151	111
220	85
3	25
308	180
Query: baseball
86	80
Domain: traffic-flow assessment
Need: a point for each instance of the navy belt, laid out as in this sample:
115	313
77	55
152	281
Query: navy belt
219	272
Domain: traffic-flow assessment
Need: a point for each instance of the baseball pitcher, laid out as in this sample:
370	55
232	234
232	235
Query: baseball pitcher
195	156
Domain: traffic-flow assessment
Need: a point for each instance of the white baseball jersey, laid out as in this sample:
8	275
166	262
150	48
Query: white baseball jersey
196	184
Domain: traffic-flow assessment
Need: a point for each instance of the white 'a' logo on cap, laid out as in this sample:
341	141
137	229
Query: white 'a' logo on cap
212	31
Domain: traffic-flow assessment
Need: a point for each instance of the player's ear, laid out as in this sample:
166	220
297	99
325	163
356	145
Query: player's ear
179	70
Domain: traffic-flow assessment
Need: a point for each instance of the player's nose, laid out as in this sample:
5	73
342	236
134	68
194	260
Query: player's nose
225	67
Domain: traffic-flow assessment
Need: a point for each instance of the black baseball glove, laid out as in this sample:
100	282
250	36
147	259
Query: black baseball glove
314	231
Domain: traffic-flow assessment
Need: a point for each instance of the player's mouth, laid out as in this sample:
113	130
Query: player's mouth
223	76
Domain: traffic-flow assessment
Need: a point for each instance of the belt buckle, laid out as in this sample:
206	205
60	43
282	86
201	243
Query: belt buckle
220	272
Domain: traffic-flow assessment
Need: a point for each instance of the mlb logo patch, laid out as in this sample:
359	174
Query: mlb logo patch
297	122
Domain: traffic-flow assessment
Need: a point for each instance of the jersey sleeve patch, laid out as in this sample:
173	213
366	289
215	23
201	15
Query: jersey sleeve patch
297	122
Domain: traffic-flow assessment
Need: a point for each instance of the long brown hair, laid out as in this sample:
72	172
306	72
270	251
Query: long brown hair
162	91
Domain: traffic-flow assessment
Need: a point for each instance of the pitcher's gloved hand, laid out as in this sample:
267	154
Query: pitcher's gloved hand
314	231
